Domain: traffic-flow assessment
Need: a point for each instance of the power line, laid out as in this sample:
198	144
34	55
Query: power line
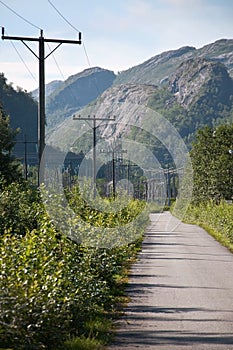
85	51
63	77
94	127
17	14
66	20
73	27
29	22
55	61
20	56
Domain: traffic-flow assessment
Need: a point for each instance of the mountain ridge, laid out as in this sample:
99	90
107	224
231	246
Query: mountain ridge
221	50
158	71
199	92
192	87
76	92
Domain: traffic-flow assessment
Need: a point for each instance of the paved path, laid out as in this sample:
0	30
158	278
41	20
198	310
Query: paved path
181	291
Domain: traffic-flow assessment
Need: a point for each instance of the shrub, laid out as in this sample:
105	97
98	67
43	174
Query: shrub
19	207
53	287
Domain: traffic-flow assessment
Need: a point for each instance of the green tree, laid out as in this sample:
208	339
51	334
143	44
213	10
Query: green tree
213	164
9	166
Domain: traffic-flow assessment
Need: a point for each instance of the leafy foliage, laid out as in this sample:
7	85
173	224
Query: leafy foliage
213	164
9	167
209	110
20	208
22	109
53	289
47	289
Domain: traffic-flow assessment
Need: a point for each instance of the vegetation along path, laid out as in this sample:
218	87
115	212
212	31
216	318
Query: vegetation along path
181	291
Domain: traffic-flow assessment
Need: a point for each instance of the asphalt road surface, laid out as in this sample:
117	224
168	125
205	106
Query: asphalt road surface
181	291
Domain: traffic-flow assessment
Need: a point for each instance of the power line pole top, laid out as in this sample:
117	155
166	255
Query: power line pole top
41	115
42	38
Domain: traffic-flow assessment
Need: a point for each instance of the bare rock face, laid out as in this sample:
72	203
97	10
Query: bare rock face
157	69
122	102
134	93
178	67
219	51
199	76
160	68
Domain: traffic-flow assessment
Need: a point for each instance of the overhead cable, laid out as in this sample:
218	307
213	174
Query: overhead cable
84	47
72	26
17	14
21	58
66	20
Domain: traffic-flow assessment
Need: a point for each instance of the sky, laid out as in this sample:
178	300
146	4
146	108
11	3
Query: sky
116	34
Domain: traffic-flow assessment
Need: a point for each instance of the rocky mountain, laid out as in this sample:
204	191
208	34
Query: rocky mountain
159	68
49	89
76	92
190	87
220	51
79	90
117	102
197	92
197	77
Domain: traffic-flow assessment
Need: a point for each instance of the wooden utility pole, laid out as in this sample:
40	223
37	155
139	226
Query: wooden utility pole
41	111
25	142
114	150
94	127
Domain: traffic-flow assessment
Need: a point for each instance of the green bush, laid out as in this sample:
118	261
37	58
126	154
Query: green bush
48	289
53	288
19	208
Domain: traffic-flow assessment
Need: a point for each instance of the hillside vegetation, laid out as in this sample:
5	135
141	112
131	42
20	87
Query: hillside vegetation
76	92
22	110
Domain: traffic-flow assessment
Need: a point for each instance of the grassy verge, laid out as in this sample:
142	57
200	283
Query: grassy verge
217	220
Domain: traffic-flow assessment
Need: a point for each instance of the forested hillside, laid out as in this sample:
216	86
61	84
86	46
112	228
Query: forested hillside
76	92
22	110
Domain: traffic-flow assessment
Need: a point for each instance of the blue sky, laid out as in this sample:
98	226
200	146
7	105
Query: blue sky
117	34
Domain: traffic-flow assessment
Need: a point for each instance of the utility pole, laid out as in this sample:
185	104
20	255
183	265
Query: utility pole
25	142
115	149
41	110
94	127
112	152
